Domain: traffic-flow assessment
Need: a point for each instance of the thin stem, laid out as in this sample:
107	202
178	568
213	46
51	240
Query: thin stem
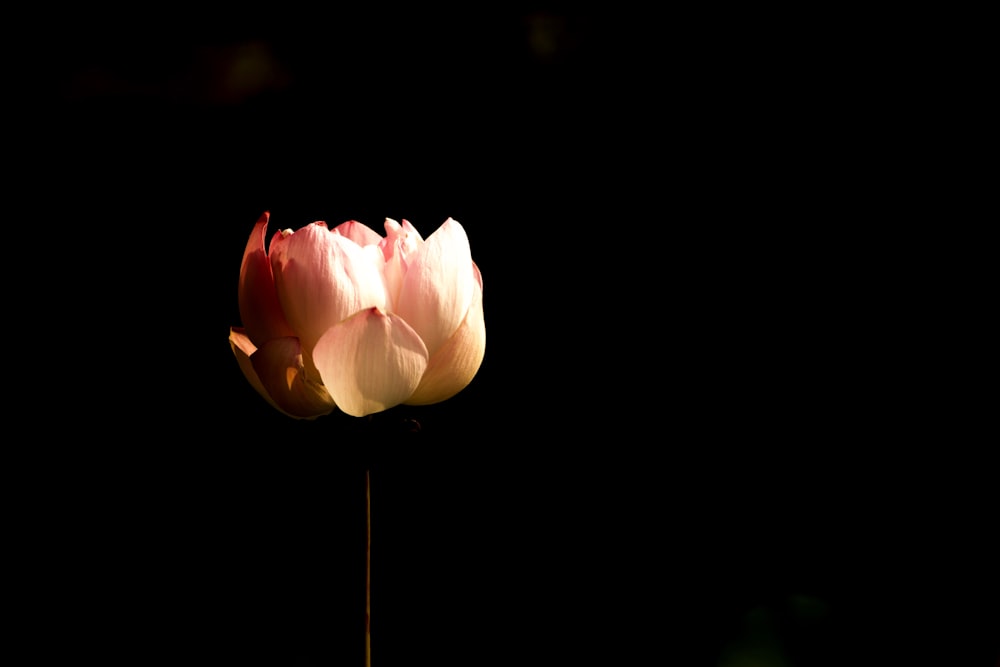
368	572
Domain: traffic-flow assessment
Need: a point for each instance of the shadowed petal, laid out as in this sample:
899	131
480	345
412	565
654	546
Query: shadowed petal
278	364
260	311
371	362
454	365
438	285
322	278
243	348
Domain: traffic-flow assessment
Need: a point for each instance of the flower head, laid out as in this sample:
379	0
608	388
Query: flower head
346	318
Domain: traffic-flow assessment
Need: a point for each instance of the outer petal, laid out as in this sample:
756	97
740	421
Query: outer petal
243	348
370	362
277	372
322	278
453	366
438	286
260	310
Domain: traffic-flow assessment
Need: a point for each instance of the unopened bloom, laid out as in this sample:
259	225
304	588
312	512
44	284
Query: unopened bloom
346	318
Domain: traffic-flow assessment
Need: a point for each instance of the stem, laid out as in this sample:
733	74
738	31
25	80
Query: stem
368	571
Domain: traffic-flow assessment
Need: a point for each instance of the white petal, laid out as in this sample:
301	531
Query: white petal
454	365
370	362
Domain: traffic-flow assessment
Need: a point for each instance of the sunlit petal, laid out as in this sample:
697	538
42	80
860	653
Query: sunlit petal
454	365
371	362
438	285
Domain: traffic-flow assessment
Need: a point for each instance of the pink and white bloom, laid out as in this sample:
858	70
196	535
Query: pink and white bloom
346	318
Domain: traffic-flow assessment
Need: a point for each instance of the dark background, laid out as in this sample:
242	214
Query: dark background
706	429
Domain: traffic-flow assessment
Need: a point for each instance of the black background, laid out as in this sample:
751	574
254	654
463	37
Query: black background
704	421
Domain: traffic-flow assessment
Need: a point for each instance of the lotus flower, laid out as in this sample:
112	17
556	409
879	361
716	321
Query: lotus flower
345	318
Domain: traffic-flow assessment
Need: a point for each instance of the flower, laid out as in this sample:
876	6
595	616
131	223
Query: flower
345	318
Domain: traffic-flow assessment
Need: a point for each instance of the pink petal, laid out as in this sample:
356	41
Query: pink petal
322	278
400	244
260	310
359	233
438	286
279	366
371	362
454	365
406	233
